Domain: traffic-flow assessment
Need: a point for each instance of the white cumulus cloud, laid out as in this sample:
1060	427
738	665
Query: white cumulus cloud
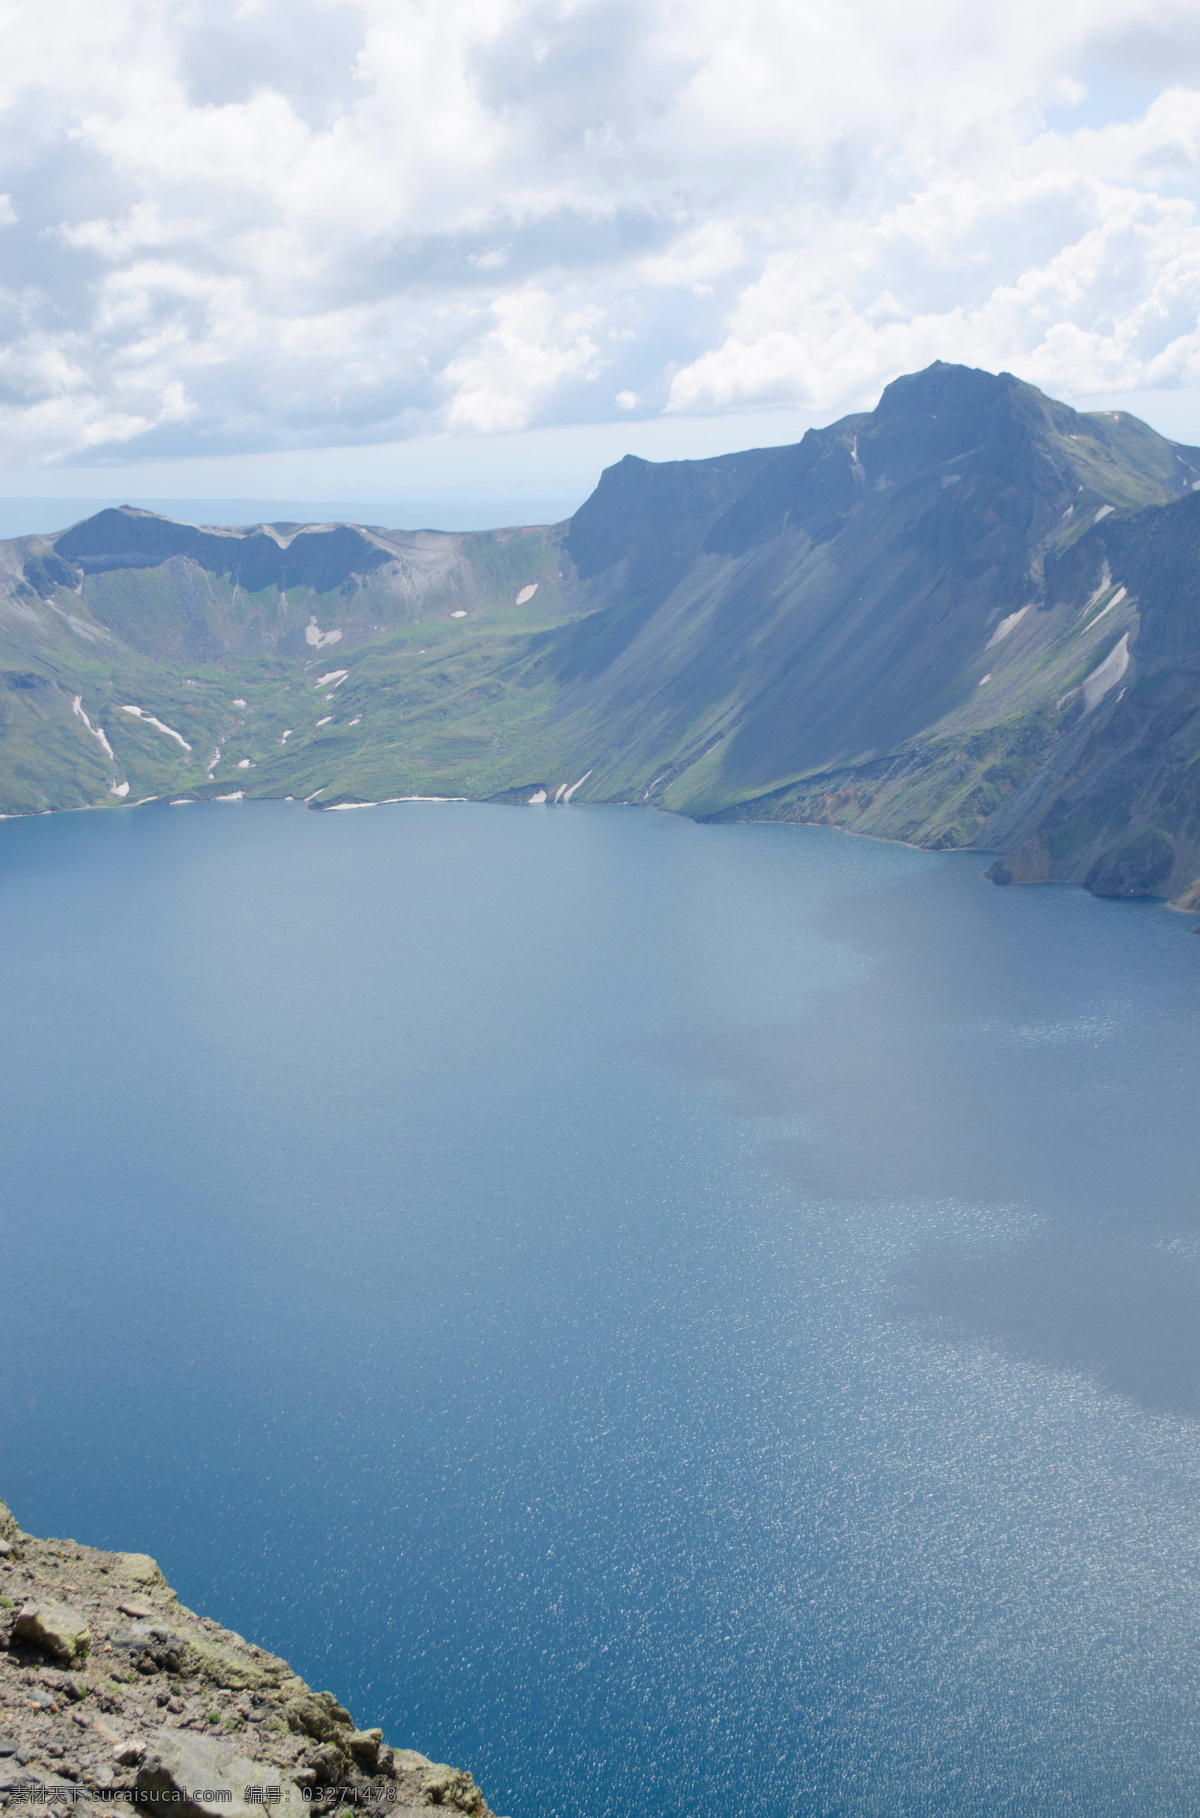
287	224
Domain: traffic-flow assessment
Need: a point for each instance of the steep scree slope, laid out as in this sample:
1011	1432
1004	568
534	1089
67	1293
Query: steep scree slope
1115	802
855	601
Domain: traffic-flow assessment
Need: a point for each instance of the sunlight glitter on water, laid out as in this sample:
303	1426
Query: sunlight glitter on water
693	1317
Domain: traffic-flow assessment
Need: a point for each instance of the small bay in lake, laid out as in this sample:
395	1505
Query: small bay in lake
674	1319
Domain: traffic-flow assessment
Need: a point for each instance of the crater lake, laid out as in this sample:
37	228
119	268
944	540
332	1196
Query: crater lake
674	1318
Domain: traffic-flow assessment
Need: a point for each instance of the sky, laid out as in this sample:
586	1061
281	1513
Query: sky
455	256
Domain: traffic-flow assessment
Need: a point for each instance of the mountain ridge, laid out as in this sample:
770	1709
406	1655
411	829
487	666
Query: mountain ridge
899	625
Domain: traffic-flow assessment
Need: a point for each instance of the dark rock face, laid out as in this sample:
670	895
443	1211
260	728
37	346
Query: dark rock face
1139	866
47	573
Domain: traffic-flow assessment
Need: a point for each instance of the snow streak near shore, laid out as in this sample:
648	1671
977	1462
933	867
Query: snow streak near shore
97	732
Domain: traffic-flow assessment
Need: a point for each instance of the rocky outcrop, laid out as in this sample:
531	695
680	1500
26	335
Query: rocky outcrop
113	1694
1114	803
54	1629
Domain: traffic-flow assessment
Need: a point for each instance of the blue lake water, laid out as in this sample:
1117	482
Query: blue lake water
691	1319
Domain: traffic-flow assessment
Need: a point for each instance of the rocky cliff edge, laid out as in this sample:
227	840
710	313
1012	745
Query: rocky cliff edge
114	1697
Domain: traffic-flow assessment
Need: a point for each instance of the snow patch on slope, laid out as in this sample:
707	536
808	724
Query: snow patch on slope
1005	626
1107	675
1118	596
139	713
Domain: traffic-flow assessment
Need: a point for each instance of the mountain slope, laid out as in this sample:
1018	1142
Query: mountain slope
139	657
845	605
965	617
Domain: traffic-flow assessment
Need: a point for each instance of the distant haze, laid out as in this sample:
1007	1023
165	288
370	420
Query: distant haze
25	517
